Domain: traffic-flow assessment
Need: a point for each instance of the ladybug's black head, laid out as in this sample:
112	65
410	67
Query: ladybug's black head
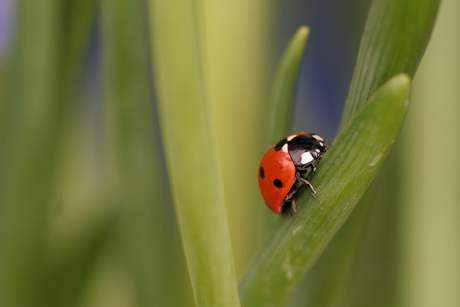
319	148
305	149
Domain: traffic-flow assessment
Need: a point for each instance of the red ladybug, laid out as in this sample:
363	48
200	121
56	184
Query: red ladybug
283	165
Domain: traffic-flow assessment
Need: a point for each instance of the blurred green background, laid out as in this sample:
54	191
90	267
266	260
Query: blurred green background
86	212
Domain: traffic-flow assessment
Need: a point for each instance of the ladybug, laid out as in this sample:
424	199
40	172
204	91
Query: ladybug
283	165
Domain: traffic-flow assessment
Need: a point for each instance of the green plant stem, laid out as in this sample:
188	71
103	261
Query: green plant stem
430	197
283	88
190	151
237	79
133	163
45	61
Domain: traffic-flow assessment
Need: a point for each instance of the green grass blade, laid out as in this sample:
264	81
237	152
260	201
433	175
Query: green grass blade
283	88
50	45
343	176
76	18
49	48
28	144
368	239
394	40
134	168
190	153
237	54
72	258
430	197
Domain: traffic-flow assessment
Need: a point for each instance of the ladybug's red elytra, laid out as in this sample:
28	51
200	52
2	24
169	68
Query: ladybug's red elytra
283	165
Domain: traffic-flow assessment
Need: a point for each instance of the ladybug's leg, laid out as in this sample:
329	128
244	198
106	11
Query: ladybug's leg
304	168
307	183
290	198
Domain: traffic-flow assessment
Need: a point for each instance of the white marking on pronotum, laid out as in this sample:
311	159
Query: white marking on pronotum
306	157
289	138
285	148
375	160
315	136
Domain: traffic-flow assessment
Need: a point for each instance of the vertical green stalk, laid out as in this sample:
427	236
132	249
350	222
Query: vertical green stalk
46	61
28	138
283	88
133	164
237	38
430	247
190	152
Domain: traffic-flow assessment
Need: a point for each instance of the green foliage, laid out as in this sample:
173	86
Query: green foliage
86	212
34	111
134	164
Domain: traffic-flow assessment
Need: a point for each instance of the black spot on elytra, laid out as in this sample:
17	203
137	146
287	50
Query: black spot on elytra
278	183
261	172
